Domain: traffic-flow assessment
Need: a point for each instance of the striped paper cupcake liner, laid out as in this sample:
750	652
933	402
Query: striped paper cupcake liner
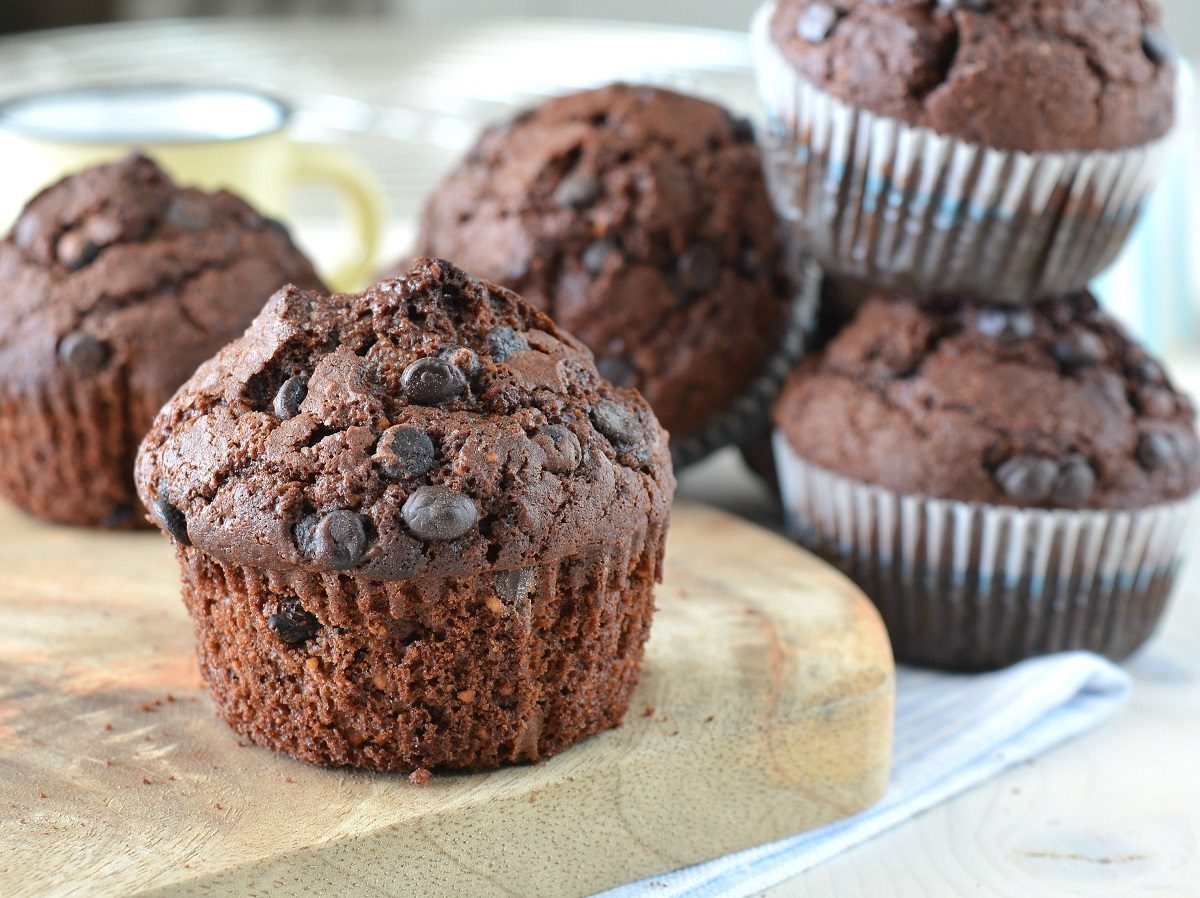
904	207
969	586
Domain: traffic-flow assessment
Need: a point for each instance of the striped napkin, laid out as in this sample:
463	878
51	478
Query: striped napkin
952	733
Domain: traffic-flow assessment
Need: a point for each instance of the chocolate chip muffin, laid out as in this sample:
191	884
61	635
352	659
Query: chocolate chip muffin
1001	149
416	527
639	220
116	285
1002	482
1033	75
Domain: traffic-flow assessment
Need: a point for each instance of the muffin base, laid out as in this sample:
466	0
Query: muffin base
968	587
69	452
463	673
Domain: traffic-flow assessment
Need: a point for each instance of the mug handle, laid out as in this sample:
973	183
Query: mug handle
314	163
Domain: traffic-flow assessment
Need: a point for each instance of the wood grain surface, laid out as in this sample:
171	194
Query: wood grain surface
765	709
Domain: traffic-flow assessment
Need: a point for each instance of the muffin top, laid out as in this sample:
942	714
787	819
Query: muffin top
1032	75
1047	406
639	219
117	272
435	424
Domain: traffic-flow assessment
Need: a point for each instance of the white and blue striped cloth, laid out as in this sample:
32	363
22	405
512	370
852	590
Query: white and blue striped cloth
952	733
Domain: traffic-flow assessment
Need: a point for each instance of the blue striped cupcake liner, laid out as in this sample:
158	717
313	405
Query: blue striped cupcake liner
971	586
904	207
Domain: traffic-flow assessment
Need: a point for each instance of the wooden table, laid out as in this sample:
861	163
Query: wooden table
1114	813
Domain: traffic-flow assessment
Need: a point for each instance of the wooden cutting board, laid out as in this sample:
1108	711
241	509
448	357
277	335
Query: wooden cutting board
765	709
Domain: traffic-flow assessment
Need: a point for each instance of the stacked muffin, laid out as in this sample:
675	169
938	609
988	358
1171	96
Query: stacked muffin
1003	470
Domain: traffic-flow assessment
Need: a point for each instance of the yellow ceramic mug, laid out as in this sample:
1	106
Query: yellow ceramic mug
209	137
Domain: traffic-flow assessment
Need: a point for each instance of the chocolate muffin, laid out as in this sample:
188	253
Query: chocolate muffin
416	527
116	285
1001	482
1033	75
951	147
639	220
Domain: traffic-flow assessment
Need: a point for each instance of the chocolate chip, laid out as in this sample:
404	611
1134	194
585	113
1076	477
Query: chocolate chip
1157	46
576	190
1155	451
750	262
83	352
337	540
698	269
623	430
1155	402
741	128
188	213
274	224
405	452
120	514
432	381
817	22
171	519
975	5
292	624
514	586
437	513
1027	478
1147	370
504	341
462	358
1075	483
596	255
1005	325
75	250
1080	350
561	446
290	397
616	370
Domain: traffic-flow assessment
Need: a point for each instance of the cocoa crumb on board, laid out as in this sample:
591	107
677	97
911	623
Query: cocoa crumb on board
420	777
649	712
41	793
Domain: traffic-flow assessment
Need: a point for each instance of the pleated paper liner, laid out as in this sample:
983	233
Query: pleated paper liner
904	207
467	672
969	586
748	416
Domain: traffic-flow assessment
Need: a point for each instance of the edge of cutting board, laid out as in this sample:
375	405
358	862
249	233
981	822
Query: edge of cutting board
765	709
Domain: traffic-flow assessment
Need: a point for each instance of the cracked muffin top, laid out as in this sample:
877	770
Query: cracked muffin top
637	218
1032	75
435	424
116	271
1047	406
